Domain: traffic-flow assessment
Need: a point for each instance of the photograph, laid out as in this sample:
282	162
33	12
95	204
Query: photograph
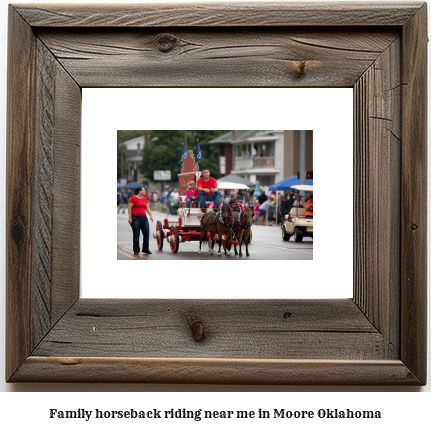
200	194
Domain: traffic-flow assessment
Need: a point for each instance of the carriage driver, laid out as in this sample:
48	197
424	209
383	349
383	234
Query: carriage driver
208	191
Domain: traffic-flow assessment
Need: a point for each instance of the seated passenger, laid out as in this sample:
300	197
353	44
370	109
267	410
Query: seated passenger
192	194
309	207
236	204
208	191
300	203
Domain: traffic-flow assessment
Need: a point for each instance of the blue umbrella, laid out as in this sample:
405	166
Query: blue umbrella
133	185
118	185
287	183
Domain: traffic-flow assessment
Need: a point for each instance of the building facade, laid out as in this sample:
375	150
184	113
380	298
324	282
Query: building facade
268	156
132	153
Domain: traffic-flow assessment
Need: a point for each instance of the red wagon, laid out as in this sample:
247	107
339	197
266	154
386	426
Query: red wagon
187	228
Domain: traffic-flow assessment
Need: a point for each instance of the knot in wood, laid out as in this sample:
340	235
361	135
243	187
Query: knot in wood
18	233
414	226
287	314
167	42
300	69
197	327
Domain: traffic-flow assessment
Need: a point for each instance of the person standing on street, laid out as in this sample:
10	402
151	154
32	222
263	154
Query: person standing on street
289	203
262	198
207	187
124	200
264	209
138	208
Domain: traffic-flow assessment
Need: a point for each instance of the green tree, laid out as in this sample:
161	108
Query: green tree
209	152
163	151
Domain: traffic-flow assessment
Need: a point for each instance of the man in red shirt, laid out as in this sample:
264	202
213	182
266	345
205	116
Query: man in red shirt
208	191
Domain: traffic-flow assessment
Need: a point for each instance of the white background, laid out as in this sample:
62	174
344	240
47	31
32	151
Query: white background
402	409
328	112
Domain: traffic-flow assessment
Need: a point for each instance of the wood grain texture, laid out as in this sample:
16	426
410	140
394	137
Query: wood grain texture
234	329
378	337
20	175
377	192
214	14
215	371
227	58
43	195
43	170
55	278
414	229
66	208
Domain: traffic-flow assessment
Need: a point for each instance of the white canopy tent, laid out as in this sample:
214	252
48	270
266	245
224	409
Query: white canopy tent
231	186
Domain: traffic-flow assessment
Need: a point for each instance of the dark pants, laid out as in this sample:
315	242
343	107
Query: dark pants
140	223
190	200
215	198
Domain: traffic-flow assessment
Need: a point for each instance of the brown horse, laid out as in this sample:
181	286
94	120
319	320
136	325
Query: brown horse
242	228
216	223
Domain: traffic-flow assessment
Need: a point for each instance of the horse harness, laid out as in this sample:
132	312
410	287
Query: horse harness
227	221
240	224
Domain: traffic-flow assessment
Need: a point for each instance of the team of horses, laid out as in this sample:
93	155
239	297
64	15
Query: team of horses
234	224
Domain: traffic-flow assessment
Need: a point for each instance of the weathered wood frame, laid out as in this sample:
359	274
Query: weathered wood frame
378	337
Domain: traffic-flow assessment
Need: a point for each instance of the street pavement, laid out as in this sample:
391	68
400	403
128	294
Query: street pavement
267	244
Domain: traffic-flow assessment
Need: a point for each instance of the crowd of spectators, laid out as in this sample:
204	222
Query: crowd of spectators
264	206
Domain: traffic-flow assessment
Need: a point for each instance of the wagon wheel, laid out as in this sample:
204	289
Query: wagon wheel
175	239
159	235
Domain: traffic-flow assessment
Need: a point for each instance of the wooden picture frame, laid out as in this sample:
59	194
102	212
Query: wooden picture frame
376	338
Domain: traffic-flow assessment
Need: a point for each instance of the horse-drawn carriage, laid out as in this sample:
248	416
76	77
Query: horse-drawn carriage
197	224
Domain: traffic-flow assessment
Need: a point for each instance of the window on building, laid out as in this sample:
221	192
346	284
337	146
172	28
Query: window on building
222	165
240	151
264	149
266	180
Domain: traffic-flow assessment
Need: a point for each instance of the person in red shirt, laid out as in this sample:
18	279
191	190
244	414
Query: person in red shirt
208	191
138	208
236	204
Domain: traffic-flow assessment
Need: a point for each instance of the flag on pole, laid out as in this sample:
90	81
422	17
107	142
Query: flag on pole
198	153
183	154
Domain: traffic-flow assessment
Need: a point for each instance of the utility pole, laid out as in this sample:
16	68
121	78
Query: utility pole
302	157
121	158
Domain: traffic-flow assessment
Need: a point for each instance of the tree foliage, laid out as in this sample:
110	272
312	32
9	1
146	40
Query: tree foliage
163	151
